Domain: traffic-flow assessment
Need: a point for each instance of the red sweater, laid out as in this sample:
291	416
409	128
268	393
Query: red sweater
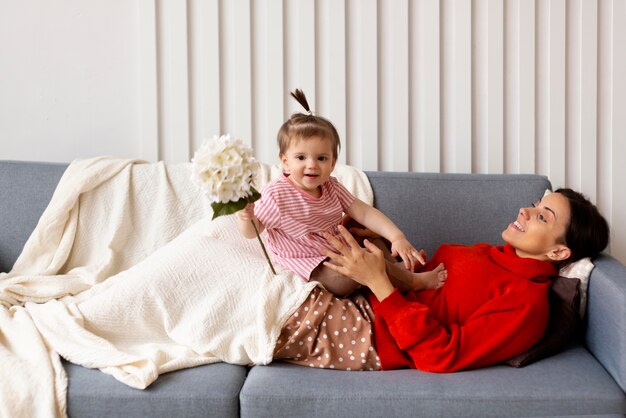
493	306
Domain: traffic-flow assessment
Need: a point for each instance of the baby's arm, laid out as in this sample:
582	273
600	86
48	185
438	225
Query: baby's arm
376	221
244	217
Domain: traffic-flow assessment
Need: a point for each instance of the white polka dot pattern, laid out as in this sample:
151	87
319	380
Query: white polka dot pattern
328	332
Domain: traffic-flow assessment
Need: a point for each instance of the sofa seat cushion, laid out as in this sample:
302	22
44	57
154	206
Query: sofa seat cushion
211	390
572	383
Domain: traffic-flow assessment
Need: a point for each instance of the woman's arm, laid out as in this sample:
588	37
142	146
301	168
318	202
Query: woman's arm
366	267
504	327
378	222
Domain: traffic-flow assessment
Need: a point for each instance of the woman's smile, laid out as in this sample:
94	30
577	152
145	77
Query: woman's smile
518	226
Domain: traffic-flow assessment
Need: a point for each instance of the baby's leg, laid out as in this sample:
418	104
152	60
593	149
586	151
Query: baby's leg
433	279
404	279
336	283
407	280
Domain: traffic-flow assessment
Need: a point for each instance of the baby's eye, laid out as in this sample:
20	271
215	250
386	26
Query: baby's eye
322	158
300	157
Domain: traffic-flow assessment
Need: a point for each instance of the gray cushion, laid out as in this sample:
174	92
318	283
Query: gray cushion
572	383
477	207
211	390
25	190
564	324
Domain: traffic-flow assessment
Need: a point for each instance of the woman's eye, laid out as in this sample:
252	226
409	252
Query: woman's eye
542	218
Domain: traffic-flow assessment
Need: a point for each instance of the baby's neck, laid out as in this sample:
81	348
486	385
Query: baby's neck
316	193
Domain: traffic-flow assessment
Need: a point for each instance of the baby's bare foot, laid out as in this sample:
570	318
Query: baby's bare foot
433	279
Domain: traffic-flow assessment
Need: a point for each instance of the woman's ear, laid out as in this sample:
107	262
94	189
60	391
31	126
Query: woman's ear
560	253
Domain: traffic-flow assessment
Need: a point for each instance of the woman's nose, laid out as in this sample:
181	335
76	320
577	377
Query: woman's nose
524	212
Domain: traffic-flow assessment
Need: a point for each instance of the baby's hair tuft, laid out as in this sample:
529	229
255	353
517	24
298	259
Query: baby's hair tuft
302	126
301	98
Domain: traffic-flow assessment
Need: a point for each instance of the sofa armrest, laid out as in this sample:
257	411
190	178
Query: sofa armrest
606	316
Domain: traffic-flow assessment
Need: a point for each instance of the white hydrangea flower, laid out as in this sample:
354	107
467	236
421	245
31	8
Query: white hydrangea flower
223	169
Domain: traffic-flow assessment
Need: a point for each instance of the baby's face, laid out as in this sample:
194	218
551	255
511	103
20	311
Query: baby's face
309	162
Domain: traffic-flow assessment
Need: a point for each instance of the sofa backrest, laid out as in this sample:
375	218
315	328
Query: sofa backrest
25	191
430	208
433	209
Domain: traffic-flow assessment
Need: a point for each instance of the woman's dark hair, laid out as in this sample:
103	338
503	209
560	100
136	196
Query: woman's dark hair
306	125
588	232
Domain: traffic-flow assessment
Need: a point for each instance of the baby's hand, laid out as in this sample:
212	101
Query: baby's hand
247	213
411	257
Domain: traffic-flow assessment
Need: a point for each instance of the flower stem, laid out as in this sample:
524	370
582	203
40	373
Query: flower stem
263	247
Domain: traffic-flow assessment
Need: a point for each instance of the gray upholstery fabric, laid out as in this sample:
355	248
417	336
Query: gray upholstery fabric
606	316
572	383
204	391
25	190
454	208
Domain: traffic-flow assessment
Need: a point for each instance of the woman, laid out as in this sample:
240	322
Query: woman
493	306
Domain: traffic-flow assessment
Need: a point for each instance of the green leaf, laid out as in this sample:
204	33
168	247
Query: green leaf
229	208
254	196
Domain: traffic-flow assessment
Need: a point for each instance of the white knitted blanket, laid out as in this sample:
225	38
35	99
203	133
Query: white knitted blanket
125	273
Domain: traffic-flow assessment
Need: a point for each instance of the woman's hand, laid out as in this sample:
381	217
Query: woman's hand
365	266
409	254
361	231
356	229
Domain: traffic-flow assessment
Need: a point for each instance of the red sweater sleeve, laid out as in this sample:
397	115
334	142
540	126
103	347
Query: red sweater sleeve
505	326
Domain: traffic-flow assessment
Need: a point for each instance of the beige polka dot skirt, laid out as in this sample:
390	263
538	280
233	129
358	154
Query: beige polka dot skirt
328	332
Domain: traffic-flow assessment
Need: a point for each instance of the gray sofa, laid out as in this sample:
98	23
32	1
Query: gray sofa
588	378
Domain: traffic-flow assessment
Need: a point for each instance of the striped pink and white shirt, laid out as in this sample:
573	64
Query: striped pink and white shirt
294	221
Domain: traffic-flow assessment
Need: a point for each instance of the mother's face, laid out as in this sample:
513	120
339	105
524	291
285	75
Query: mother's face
539	230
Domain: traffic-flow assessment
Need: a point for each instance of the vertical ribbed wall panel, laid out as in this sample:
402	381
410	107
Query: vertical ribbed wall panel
618	130
393	85
362	141
519	140
300	53
331	86
204	71
267	77
582	100
148	81
425	91
456	85
173	79
487	86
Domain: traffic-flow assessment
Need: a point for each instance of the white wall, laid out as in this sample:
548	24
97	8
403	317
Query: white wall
68	79
485	86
